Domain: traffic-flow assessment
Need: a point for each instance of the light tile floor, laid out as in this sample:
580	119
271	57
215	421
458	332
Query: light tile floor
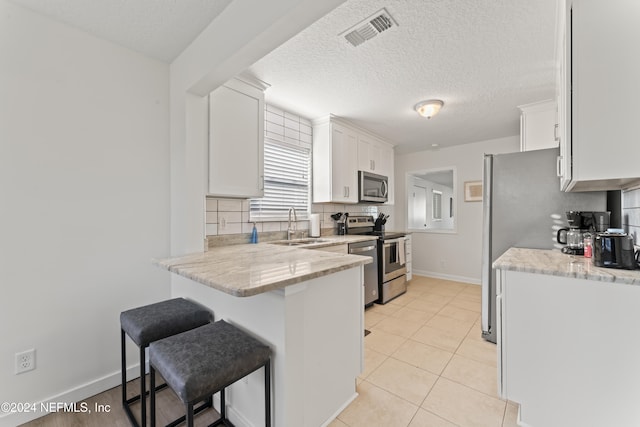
426	364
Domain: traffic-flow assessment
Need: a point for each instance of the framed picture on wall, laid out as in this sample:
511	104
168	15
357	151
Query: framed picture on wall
473	191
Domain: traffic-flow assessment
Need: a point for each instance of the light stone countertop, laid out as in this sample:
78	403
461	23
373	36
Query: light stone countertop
251	269
555	263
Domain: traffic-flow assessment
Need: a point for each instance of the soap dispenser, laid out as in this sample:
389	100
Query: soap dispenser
254	234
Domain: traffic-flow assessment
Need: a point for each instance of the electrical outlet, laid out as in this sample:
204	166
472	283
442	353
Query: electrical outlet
25	361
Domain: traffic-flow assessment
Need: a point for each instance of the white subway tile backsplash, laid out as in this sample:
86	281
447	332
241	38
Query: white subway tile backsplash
271	226
247	227
275	110
274	128
274	118
274	136
631	217
631	199
211	205
211	229
305	138
292	124
293	134
230	228
211	217
229	217
291	116
305	128
230	205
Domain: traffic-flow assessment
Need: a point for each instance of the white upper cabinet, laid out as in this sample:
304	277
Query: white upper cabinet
339	151
599	97
335	163
538	126
375	156
236	140
369	155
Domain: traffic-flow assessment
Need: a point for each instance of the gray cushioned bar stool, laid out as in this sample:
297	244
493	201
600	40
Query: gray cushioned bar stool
151	323
199	363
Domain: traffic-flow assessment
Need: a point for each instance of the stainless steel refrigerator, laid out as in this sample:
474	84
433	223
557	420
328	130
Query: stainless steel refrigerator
523	207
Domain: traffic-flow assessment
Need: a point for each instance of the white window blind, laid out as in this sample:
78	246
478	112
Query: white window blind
287	170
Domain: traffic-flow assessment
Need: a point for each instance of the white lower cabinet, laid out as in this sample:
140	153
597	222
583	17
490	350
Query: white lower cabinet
408	256
568	350
236	140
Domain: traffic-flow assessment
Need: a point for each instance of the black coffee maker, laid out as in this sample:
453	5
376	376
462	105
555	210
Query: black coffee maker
581	223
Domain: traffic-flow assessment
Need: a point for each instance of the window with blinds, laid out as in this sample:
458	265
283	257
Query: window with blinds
287	170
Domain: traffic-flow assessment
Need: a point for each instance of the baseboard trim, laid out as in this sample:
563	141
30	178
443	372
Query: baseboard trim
435	275
76	394
342	408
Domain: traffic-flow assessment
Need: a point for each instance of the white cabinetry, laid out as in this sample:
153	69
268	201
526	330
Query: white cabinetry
236	140
375	156
568	349
600	148
339	151
538	126
408	256
335	163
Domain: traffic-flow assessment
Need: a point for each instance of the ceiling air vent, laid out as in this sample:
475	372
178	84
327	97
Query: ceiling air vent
369	28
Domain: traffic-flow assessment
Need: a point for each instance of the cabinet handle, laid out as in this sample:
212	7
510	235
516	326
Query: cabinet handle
555	132
347	191
559	167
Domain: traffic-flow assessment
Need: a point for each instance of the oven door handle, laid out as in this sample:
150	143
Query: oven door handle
360	250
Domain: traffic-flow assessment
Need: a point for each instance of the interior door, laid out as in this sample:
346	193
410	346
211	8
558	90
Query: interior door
419	207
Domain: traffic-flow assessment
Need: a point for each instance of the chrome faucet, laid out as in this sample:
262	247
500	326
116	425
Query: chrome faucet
291	231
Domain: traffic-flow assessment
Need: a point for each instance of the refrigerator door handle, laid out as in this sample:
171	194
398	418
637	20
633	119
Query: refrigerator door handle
486	241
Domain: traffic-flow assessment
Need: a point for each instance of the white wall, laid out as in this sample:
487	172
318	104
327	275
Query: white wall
250	29
84	187
455	256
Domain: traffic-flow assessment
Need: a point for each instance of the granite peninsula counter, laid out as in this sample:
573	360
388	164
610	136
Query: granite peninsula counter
307	305
246	270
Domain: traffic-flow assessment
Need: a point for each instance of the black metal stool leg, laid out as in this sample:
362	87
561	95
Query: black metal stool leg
143	389
152	397
223	406
267	393
189	408
123	366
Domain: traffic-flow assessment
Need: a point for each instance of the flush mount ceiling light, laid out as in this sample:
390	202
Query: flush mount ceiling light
429	108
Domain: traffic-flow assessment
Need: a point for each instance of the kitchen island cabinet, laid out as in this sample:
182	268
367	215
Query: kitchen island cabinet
568	340
307	305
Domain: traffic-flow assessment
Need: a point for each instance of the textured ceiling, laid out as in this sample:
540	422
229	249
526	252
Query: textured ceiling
158	28
482	57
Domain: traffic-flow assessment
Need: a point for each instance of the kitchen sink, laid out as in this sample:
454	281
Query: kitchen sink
298	242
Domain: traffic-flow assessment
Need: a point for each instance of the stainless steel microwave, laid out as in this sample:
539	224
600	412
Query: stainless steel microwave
372	187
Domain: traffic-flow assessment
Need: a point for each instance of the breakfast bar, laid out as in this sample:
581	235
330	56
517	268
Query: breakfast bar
306	305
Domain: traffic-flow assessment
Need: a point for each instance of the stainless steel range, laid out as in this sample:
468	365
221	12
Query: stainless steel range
392	269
